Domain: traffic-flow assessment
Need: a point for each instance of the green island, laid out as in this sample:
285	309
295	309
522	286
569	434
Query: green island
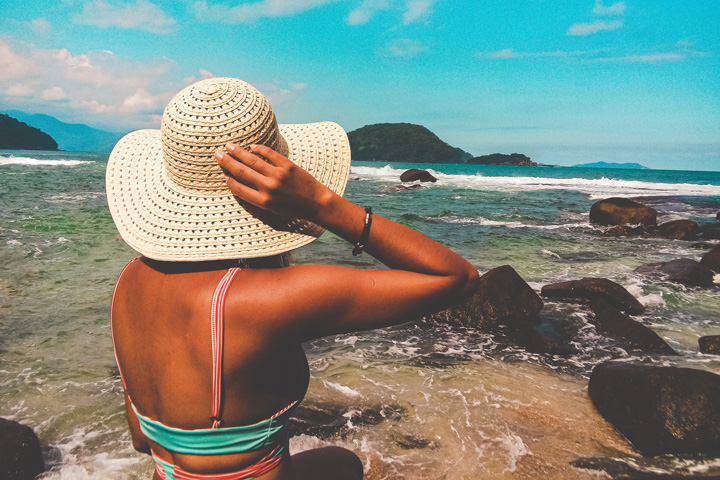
411	143
16	135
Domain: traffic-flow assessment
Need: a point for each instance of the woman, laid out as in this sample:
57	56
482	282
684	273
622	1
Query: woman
210	354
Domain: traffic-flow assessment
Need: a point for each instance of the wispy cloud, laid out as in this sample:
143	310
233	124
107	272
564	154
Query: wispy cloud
40	26
209	12
412	10
646	58
141	15
583	29
609	10
509	53
404	48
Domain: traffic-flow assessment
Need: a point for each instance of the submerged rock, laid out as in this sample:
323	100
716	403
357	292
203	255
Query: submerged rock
612	322
679	229
20	452
501	297
660	410
682	270
624	231
327	421
619	211
710	344
591	288
712	259
539	337
399	188
417	175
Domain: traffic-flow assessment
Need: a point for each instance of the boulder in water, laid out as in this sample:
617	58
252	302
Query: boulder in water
712	259
20	452
682	270
710	344
710	231
502	296
620	211
624	231
590	288
612	322
417	175
661	410
679	229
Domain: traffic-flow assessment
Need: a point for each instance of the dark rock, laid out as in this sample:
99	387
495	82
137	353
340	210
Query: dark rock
590	288
539	337
417	175
399	188
501	297
682	270
624	231
413	442
710	344
612	322
619	211
327	420
660	410
610	466
679	229
703	245
717	216
710	231
712	259
20	452
688	272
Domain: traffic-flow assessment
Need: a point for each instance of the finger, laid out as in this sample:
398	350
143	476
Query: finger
243	191
239	170
274	157
253	161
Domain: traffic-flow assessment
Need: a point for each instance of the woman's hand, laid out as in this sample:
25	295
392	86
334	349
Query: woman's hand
277	185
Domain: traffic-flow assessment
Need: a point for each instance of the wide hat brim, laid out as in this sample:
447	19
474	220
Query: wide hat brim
166	221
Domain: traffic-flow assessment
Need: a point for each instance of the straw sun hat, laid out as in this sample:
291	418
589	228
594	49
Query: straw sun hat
168	196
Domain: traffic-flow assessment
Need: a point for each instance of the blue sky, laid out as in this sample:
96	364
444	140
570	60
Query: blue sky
563	82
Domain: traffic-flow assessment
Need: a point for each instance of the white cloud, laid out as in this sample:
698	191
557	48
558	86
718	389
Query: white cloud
249	12
141	15
404	48
299	86
203	75
40	26
20	90
80	86
582	29
610	10
647	58
416	10
54	94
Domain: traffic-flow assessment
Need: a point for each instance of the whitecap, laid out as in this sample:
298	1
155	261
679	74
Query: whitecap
40	162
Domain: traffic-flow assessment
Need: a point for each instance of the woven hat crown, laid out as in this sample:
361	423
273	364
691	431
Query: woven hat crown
204	117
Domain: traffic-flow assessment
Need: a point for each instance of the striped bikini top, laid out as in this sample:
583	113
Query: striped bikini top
215	440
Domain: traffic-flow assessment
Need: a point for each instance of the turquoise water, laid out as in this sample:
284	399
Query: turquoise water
475	406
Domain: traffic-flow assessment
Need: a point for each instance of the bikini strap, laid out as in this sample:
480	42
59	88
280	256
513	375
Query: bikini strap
112	304
217	327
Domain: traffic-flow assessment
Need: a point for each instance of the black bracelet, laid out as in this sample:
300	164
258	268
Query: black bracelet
360	245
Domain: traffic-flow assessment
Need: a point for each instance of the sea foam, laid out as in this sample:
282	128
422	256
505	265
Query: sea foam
40	162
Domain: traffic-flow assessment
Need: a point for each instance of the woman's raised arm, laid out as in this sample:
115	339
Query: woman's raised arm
425	275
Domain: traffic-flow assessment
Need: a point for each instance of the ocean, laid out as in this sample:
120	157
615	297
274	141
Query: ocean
456	402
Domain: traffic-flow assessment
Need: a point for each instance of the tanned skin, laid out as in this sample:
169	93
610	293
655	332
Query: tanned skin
161	316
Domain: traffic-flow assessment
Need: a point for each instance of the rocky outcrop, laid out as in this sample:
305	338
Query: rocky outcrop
513	159
619	211
20	453
712	259
632	334
682	270
502	296
679	229
591	288
710	344
417	175
661	410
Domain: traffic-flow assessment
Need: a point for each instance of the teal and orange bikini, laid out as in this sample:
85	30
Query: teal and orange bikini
217	440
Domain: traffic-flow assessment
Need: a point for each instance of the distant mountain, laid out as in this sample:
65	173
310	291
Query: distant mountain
402	142
514	159
16	135
73	137
636	166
